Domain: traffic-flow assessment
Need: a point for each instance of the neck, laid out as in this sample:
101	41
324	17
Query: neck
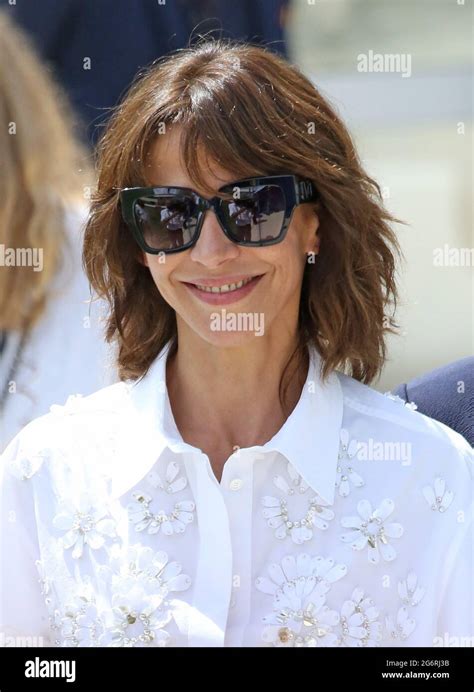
223	398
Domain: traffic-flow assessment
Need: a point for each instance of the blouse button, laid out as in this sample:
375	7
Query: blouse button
236	484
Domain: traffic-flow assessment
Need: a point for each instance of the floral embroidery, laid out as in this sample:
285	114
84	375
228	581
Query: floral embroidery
47	593
403	627
438	497
300	615
25	466
138	620
359	621
276	510
80	624
43	579
86	524
141	513
141	586
345	473
409	592
144	564
370	530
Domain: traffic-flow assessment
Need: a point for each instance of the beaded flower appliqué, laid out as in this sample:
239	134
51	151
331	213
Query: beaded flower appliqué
359	621
370	529
132	611
276	510
437	496
345	471
141	510
302	618
300	615
410	593
142	586
86	524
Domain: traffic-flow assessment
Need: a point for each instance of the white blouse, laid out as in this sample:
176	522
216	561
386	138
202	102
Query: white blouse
352	526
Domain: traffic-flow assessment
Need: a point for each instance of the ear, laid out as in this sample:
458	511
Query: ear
317	241
143	259
313	238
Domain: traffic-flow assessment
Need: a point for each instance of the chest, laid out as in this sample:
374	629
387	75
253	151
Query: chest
257	559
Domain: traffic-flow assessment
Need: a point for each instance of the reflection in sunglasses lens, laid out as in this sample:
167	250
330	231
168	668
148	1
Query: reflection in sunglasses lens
169	222
257	215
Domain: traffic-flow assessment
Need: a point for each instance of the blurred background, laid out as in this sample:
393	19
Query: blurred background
414	134
410	116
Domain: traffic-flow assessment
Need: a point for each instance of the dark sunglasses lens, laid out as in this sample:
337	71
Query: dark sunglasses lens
166	222
257	215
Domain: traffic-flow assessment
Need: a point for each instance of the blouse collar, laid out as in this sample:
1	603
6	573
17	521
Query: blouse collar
309	439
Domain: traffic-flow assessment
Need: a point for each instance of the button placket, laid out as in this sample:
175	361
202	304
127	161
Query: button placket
213	581
237	484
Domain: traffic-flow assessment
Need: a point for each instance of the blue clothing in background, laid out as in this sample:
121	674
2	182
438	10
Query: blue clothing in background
445	394
122	36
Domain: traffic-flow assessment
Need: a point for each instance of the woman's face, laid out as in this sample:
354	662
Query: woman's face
268	301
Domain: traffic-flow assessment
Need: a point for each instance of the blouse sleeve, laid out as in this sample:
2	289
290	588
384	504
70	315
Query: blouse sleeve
23	611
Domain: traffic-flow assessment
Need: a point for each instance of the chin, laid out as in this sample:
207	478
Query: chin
227	328
228	339
223	331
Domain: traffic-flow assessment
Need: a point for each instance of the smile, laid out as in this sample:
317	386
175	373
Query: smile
224	291
225	288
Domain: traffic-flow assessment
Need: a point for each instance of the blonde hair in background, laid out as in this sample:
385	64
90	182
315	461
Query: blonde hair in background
43	170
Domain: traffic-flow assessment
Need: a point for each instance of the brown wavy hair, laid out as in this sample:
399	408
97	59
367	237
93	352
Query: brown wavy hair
255	114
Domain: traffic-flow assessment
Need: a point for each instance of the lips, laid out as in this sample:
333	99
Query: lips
224	288
223	291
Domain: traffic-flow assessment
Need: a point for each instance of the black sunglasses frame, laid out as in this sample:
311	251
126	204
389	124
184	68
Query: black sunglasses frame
296	189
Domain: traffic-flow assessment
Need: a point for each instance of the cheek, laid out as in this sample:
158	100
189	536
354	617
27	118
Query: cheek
161	270
288	259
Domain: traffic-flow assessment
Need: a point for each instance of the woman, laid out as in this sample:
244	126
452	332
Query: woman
50	337
237	488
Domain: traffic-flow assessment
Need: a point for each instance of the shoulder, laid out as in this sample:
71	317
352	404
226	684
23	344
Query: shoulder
68	432
386	421
397	460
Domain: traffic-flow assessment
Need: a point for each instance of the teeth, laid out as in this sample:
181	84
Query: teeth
225	288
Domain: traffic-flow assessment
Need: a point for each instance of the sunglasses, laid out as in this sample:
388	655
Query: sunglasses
252	212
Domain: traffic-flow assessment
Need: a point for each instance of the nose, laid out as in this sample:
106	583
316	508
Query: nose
213	247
